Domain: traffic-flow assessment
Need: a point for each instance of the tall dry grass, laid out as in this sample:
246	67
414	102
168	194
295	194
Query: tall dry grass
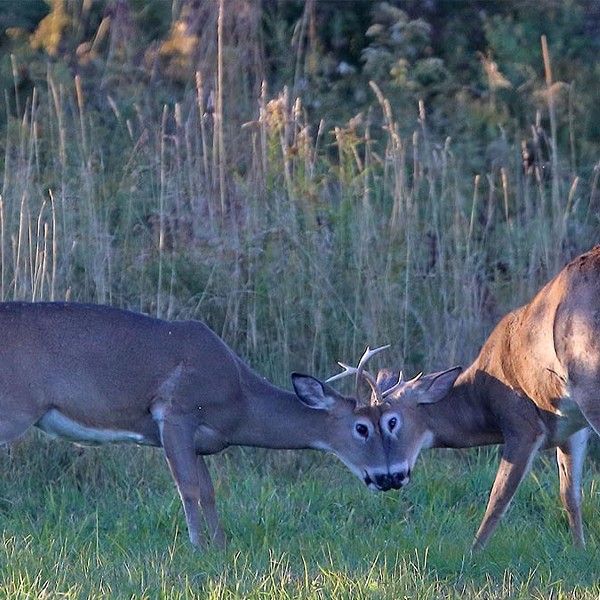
323	239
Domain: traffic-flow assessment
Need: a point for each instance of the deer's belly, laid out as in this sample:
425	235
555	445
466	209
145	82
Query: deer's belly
56	424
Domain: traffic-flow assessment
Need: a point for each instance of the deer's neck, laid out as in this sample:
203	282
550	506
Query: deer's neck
276	418
463	418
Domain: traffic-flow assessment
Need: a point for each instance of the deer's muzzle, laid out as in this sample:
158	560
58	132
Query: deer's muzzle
383	482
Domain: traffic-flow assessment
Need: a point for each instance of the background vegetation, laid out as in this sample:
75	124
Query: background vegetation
308	177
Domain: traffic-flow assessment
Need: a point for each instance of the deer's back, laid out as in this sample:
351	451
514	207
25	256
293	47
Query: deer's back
541	349
110	362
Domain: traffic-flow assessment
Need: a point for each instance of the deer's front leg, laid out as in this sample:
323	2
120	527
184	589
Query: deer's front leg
519	451
569	457
207	500
179	450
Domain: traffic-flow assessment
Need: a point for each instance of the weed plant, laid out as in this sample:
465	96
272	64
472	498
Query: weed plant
323	240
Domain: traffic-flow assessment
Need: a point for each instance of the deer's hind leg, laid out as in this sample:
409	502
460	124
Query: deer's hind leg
590	408
583	378
570	456
584	391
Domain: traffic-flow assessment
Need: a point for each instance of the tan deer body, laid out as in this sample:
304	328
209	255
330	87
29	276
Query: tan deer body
94	374
534	385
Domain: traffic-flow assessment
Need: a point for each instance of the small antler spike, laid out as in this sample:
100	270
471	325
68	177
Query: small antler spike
415	378
400	384
368	353
347	371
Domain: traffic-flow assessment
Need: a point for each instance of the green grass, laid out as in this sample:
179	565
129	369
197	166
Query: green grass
106	523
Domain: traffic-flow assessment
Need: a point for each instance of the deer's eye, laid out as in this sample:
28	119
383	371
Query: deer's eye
362	430
392	423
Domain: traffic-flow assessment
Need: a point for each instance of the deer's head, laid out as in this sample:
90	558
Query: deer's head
374	438
406	400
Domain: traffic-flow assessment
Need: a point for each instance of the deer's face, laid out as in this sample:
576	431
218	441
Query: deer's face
405	435
360	436
408	431
367	450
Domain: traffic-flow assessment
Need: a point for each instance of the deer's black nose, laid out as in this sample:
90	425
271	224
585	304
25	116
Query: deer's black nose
389	481
400	478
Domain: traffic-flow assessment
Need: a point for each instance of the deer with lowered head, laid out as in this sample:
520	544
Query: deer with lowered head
534	385
94	374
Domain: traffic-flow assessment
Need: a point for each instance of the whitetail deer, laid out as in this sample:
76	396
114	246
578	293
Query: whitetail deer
94	374
534	385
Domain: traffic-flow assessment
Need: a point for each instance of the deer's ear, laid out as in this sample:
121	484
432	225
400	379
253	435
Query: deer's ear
314	393
433	387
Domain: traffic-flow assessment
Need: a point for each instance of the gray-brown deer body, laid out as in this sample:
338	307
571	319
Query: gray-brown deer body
534	385
94	374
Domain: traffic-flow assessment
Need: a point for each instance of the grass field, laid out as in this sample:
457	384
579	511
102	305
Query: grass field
107	523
